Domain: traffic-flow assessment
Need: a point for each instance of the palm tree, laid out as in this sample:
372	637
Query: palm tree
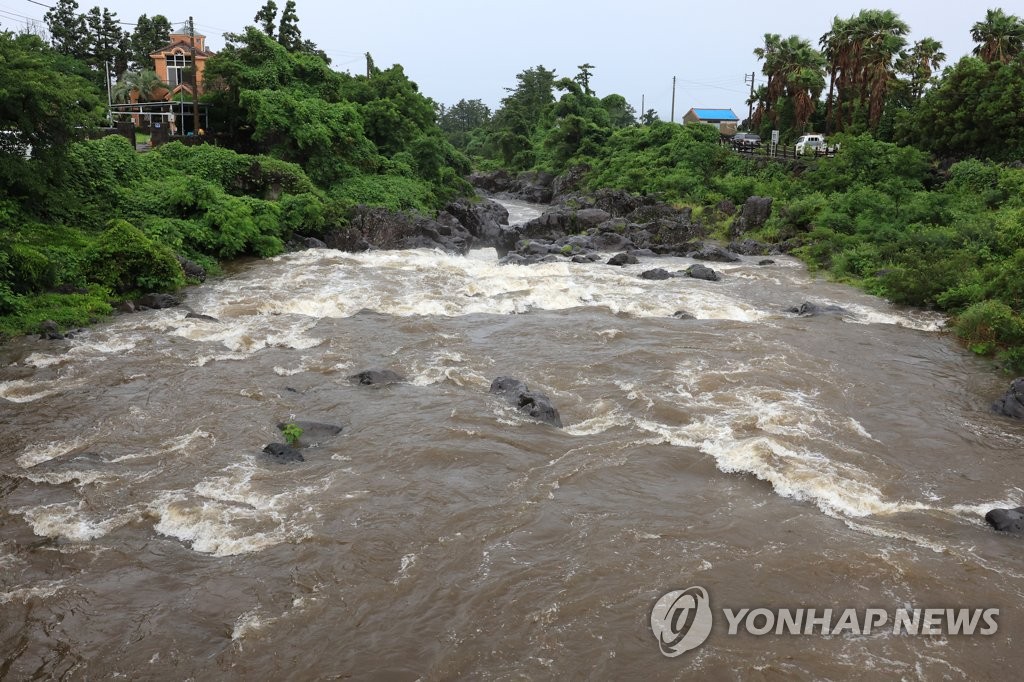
920	62
1000	36
143	85
835	47
795	72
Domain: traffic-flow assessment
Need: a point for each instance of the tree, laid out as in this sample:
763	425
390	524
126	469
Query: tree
149	36
43	95
288	33
583	77
460	120
794	70
919	63
861	54
67	29
107	42
620	112
266	17
1000	36
649	117
145	84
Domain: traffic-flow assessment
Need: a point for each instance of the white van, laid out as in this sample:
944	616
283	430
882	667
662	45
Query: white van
810	143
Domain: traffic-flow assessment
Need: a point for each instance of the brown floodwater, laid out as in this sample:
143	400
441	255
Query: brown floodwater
842	461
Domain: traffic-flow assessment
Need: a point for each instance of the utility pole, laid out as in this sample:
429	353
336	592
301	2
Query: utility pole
195	78
110	101
750	104
673	117
643	107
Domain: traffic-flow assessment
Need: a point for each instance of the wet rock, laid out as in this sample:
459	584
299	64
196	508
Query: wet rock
126	307
48	329
314	243
200	316
642	253
569	181
753	215
683	315
537	405
313	433
581	259
656	273
191	269
1007	520
809	309
283	453
534	186
591	217
698	271
750	247
1011	404
484	219
621	259
492	181
715	254
158	301
377	377
766	261
612	241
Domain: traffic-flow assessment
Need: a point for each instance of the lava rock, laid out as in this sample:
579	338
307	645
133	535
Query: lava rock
1011	404
766	261
313	432
808	309
581	259
753	215
537	405
1007	520
656	273
283	453
200	316
377	377
192	270
683	315
158	301
698	271
715	254
750	247
314	243
621	259
126	307
49	330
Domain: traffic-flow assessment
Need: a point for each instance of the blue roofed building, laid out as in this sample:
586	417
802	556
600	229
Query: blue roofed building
723	119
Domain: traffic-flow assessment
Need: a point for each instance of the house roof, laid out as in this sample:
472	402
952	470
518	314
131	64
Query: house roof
715	114
170	47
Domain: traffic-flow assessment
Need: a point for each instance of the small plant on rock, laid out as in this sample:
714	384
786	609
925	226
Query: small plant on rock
291	432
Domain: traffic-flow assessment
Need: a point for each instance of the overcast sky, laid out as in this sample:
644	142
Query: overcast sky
473	49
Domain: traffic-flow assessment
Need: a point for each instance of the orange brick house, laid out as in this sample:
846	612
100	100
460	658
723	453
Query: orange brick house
173	62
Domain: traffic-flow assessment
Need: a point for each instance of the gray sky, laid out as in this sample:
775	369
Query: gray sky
455	49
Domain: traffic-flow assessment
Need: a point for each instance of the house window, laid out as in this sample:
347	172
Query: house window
177	63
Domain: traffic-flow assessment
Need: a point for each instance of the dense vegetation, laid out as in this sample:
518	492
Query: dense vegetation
924	205
87	223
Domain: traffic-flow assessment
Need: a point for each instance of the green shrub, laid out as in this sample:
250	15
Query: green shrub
126	260
989	325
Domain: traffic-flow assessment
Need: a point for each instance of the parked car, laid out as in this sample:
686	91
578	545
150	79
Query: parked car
746	140
810	143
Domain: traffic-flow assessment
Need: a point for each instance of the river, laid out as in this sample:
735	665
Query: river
840	461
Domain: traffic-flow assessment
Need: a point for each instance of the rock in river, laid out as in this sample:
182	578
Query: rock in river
377	377
537	405
283	453
1007	520
1012	402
